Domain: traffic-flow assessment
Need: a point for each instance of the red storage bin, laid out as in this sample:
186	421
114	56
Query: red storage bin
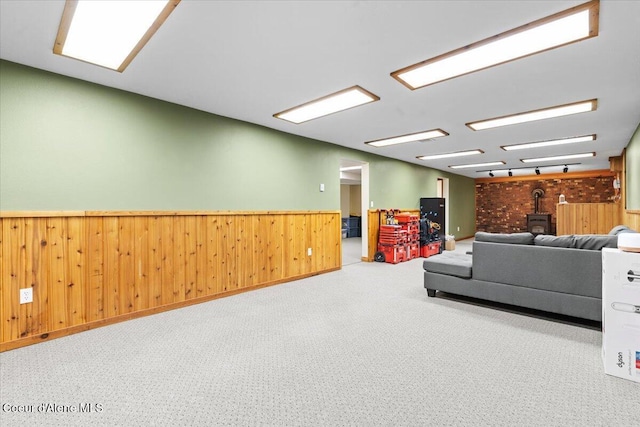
405	218
411	228
392	235
432	248
393	254
413	251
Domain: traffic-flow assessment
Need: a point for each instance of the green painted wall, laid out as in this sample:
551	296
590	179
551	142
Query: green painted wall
388	176
633	172
66	144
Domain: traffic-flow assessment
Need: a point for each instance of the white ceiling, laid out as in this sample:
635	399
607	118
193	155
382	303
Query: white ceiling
250	59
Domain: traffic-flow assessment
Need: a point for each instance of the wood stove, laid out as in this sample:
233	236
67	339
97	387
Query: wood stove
538	223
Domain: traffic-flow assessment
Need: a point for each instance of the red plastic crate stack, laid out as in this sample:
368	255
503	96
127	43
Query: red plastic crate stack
411	223
400	242
392	242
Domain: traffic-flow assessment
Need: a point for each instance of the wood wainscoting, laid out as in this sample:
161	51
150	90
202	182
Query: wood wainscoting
632	219
89	269
587	218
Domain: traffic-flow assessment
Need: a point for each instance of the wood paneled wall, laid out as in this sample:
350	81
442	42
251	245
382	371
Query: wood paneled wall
632	219
587	218
599	218
88	269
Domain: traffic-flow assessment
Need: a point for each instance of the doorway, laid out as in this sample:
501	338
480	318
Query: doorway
354	201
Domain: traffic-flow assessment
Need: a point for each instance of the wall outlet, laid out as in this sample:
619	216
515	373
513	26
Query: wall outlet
309	251
372	203
458	228
26	295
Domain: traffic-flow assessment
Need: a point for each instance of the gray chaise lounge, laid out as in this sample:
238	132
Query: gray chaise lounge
558	274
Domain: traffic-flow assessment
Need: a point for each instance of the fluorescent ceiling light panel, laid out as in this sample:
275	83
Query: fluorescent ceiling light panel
447	155
569	26
554	158
339	101
549	143
109	33
477	165
419	136
530	116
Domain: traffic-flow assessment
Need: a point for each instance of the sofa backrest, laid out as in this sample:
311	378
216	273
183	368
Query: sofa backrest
567	270
511	238
593	242
618	229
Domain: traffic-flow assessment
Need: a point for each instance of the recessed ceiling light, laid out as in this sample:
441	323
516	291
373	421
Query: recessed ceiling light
549	143
569	26
477	165
552	158
109	33
529	116
446	155
338	101
418	136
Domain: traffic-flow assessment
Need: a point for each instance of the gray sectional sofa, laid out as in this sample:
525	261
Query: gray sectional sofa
558	274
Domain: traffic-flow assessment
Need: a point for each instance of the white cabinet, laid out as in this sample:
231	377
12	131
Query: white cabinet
621	313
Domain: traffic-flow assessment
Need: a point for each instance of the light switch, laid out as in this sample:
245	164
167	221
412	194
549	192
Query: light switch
321	187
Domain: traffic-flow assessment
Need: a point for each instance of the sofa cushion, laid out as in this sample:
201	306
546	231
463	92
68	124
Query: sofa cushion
620	229
449	263
555	241
565	270
595	242
512	238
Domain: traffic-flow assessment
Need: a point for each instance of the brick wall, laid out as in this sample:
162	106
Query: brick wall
502	206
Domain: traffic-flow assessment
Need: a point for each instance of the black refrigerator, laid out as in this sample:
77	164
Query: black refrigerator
432	208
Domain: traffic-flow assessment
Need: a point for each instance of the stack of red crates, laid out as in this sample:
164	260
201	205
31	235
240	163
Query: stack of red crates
411	223
392	242
400	242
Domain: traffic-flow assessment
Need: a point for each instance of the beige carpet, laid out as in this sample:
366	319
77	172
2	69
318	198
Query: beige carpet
362	346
